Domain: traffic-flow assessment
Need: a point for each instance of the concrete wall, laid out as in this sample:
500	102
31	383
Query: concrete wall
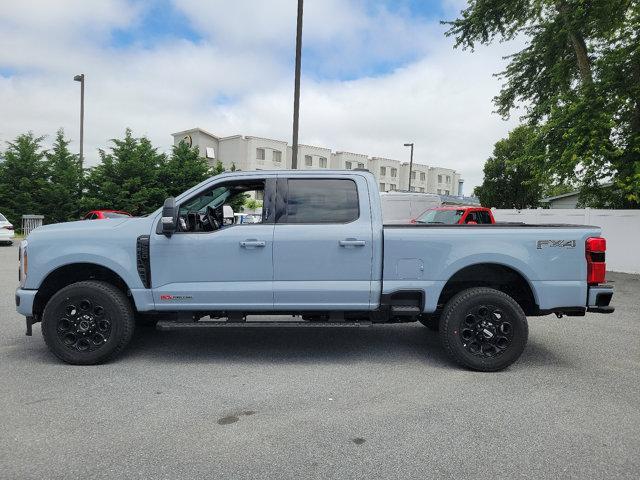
621	228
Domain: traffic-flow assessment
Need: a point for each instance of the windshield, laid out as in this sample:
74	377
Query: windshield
2	218
446	217
115	215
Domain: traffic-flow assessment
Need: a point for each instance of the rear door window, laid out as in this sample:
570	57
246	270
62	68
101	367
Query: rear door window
321	200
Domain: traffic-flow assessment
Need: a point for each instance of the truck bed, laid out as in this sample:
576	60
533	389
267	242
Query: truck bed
424	257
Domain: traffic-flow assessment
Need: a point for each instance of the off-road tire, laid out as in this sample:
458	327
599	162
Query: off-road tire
454	323
115	307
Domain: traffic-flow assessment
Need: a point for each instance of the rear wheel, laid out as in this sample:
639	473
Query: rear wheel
87	323
483	329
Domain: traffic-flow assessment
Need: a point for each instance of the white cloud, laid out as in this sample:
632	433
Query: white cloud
441	99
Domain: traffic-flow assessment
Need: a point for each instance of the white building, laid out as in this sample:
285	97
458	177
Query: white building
257	153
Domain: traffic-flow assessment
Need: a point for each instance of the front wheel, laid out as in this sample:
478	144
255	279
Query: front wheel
87	323
483	329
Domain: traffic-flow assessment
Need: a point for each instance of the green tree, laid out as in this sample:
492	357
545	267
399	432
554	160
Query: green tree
128	178
62	194
510	174
578	79
23	178
184	169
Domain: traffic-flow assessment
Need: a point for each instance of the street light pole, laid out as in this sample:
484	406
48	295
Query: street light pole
80	78
296	90
410	162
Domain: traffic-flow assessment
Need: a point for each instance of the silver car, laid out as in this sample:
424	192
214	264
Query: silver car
6	230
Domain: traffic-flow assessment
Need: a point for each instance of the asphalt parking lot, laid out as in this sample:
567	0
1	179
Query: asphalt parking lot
381	402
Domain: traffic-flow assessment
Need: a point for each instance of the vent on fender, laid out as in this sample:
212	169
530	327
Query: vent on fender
143	260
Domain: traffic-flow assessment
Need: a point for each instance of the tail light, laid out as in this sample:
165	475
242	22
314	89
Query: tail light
596	266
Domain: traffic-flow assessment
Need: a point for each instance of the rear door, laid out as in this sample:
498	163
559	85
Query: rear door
323	249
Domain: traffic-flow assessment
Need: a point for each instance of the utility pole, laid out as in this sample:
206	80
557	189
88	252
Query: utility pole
296	90
80	78
410	162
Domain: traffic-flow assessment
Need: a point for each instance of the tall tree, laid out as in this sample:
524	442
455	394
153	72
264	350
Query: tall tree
128	178
578	79
64	180
184	169
23	175
511	179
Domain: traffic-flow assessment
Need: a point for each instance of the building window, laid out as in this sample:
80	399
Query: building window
383	171
361	165
439	192
392	186
323	162
308	160
413	175
382	187
277	156
413	189
394	172
260	153
439	178
347	165
448	179
446	192
423	176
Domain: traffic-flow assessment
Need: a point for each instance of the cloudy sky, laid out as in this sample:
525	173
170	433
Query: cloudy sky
376	74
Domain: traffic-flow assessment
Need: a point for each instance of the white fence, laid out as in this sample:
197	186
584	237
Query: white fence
621	228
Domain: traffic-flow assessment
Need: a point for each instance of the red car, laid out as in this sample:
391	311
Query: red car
102	214
456	215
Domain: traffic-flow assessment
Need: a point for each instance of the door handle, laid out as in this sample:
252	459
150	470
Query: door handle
253	243
352	242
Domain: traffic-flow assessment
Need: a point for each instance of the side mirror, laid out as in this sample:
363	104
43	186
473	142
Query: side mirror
169	218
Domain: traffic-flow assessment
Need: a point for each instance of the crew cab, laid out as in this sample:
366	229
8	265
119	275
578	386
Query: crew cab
452	214
319	253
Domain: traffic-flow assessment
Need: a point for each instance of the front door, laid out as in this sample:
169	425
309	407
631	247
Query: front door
322	244
230	268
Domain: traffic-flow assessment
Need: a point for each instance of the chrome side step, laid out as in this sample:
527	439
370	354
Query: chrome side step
167	325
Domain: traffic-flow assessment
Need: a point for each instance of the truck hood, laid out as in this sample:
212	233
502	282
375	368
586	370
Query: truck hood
99	229
83	225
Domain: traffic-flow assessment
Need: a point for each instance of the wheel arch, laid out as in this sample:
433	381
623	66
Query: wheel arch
504	278
68	274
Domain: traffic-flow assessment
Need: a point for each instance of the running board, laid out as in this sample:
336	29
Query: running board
167	325
405	310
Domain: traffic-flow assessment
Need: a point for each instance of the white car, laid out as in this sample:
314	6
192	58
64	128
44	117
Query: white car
6	230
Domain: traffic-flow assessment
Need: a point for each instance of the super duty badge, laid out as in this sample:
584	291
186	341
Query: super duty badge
556	244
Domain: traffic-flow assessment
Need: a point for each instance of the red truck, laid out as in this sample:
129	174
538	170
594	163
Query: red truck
456	215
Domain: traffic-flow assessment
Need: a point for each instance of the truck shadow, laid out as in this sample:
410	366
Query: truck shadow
385	344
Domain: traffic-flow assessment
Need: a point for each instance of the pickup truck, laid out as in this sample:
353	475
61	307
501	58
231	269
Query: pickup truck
320	254
450	214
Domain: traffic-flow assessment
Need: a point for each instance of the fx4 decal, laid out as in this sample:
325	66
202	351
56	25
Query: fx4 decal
556	244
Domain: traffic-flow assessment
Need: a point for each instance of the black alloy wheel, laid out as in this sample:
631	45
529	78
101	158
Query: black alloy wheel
88	322
483	329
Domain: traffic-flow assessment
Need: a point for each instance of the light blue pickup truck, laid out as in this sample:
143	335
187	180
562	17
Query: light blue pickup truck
320	255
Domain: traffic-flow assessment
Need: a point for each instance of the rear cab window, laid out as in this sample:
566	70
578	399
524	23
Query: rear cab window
321	200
